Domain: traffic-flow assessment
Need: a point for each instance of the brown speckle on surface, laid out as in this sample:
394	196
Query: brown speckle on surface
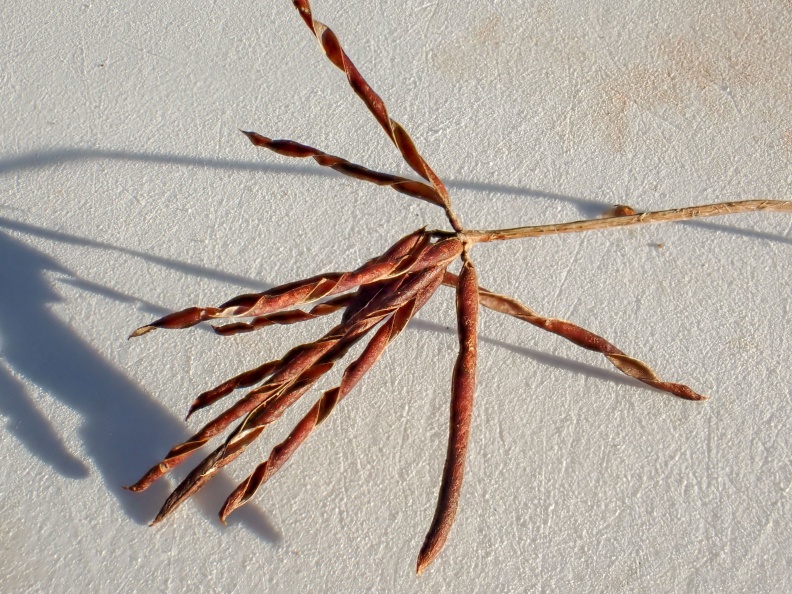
636	88
733	61
460	56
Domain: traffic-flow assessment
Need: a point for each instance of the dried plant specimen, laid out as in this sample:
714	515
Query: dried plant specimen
376	301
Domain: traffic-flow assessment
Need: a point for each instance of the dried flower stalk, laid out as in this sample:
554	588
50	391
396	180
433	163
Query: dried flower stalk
384	293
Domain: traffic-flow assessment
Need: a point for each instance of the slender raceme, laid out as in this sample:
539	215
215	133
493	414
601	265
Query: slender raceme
375	302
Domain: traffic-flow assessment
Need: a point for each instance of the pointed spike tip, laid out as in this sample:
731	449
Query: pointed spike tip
134	488
140	332
422	564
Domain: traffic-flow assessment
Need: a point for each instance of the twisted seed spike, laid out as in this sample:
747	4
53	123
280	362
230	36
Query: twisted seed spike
290	316
311	289
336	54
386	266
404	185
291	366
243	380
295	376
584	338
463	390
627	365
246	305
207	468
319	412
250	428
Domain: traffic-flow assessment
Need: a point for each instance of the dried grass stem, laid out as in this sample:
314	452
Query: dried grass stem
659	216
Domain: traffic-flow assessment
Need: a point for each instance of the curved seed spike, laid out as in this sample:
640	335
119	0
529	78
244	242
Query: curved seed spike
296	370
290	316
250	428
267	413
413	248
319	412
398	135
291	366
463	390
290	148
243	380
580	336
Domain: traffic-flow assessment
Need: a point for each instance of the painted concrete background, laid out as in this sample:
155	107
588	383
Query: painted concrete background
126	191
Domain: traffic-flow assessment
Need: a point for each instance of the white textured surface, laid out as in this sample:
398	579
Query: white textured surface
126	191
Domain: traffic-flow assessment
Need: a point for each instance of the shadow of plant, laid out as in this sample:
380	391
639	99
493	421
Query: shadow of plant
122	426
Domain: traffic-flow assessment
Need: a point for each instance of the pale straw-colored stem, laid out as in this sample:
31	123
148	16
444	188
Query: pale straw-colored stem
660	216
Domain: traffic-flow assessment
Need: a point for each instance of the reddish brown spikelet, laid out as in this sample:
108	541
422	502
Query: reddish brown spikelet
389	264
289	148
398	135
580	336
335	346
319	412
462	395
